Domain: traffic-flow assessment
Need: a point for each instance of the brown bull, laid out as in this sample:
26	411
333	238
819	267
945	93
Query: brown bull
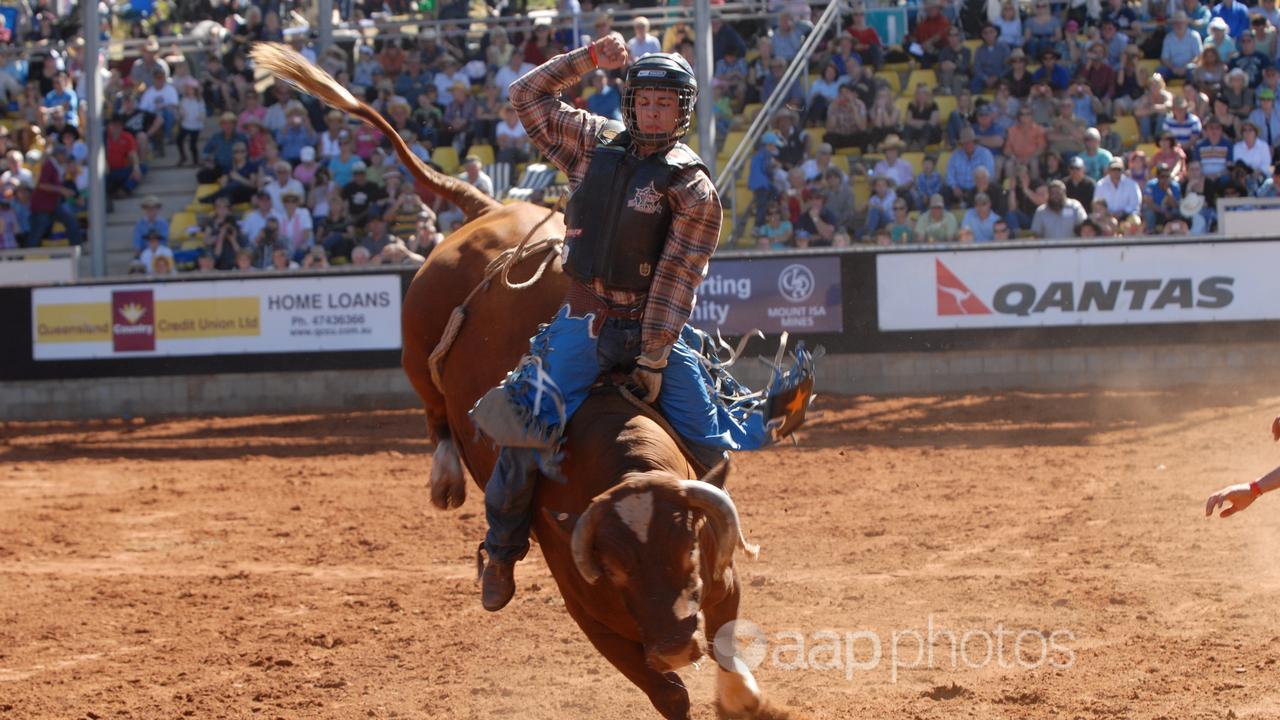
638	549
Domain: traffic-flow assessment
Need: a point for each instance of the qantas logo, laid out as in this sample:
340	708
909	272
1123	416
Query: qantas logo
954	297
1023	298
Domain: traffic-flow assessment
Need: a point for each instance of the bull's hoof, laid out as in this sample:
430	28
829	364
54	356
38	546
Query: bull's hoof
737	695
498	585
764	712
448	484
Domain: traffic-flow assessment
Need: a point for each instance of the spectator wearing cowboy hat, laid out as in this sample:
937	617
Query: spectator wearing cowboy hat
296	231
219	150
149	222
967	156
1180	50
1122	195
152	250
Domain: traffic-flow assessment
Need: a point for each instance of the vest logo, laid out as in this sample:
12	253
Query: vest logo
645	269
796	283
133	321
647	200
954	297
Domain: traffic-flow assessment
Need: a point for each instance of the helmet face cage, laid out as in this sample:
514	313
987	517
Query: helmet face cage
685	97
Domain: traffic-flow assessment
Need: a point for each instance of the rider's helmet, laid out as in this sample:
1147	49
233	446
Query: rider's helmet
669	71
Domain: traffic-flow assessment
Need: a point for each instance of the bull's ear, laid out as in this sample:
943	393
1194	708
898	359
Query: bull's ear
717	475
563	522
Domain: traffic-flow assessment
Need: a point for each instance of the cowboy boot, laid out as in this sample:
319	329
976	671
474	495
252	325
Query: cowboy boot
498	584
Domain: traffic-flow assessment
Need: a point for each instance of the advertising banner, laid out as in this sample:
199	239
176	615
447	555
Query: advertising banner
798	295
216	317
1104	285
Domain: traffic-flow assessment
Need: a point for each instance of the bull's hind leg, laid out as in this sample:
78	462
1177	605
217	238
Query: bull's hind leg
737	694
666	691
448	483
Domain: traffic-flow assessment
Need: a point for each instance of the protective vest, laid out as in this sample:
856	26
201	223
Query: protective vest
618	218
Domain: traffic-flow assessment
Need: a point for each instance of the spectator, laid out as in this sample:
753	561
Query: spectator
605	101
1051	72
795	141
515	69
296	230
1251	151
1130	83
980	220
988	134
989	61
376	237
15	174
955	63
328	143
1019	80
1120	192
1214	153
817	167
776	232
1270	188
1235	14
936	225
1210	71
759	70
255	220
124	167
1042	31
964	159
1267	117
822	93
307	168
450	74
10	230
242	180
866	41
927	183
64	96
1025	196
360	194
1237	95
342	168
794	96
1219	39
839	198
162	99
145	67
296	135
48	204
1059	217
280	260
929	35
642	43
1096	158
513	141
1198	17
846	120
459	119
219	150
760	176
883	117
1180	50
965	115
1026	140
1161	199
1009	24
879	206
817	225
152	252
899	172
982	184
244	260
1079	186
280	182
1193	209
901	231
923	126
787	38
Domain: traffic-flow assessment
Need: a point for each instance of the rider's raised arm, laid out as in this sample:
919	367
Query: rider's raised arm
562	132
694	234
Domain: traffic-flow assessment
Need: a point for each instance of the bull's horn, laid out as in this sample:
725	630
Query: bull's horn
583	541
723	516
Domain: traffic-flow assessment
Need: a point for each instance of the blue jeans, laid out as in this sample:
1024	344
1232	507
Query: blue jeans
41	223
554	379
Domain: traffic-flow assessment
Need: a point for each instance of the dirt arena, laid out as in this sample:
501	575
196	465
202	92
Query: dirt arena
291	567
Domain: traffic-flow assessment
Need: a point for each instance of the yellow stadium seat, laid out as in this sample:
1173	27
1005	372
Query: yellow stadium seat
815	136
946	106
944	157
973	44
179	223
895	82
743	197
861	192
446	157
484	152
1127	127
750	109
902	102
921	77
1147	68
916	159
1150	149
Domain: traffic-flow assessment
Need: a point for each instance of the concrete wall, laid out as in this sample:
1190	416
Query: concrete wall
889	373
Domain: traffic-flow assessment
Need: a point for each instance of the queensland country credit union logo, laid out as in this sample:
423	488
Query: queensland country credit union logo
133	320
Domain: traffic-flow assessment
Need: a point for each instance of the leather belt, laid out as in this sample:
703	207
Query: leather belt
582	301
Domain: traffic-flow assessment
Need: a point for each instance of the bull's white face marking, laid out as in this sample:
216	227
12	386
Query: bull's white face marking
636	512
685	606
737	692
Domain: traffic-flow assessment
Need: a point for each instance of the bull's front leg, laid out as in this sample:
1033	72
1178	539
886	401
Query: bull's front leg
737	694
666	691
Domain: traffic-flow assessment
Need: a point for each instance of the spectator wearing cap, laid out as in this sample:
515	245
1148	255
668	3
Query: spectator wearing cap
360	193
967	156
980	219
1096	158
988	134
1180	49
990	61
760	176
124	166
305	172
296	134
935	224
1160	199
817	225
1235	14
1050	71
1120	192
221	148
153	252
1214	151
48	200
1266	117
1059	217
150	222
1078	185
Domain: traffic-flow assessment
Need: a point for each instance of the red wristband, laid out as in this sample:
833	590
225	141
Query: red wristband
1255	489
592	50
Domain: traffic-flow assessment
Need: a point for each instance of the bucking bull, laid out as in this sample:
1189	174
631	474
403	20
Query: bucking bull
639	550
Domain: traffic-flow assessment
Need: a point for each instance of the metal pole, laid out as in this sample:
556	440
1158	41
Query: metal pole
324	16
95	234
703	69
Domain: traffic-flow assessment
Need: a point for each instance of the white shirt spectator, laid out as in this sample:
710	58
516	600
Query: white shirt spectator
329	147
505	76
296	229
149	256
900	173
444	84
1123	198
22	177
515	132
639	48
1050	225
276	192
253	223
156	98
1257	157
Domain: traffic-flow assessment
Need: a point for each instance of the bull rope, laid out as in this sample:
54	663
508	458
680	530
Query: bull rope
500	265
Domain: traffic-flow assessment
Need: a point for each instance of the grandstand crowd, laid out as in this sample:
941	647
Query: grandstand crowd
985	122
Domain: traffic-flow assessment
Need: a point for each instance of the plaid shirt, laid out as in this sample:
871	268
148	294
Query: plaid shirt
567	137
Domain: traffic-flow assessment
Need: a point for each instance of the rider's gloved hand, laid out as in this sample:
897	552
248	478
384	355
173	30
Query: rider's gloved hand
648	372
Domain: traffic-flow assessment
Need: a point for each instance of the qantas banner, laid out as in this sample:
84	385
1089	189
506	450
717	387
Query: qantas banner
1104	285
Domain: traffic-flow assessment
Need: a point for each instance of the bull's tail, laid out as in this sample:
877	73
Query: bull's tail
285	62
